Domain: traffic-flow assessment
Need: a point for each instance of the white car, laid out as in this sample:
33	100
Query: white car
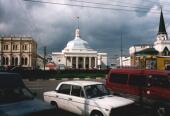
87	98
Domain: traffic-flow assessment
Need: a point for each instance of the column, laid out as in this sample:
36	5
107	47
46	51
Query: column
9	60
30	60
95	62
0	60
76	62
66	62
18	60
71	58
84	62
89	62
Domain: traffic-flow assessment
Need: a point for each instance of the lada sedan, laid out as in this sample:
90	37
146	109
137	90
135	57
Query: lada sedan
87	98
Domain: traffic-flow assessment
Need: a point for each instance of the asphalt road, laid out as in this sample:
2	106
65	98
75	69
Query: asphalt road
40	86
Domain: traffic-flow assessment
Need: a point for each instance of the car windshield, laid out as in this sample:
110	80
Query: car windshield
9	95
97	90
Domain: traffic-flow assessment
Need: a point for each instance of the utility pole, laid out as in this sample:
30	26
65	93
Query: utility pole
45	51
121	51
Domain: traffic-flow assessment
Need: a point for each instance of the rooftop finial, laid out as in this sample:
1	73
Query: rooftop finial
77	33
78	22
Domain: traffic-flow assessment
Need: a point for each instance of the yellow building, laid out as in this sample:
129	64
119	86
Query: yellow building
18	51
163	62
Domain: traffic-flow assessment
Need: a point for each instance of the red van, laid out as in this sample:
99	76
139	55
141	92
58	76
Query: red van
147	87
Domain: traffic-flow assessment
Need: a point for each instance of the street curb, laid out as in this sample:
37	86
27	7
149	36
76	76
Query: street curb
87	78
98	78
66	79
76	78
52	79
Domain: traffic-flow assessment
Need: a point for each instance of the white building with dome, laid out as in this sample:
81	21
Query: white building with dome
78	55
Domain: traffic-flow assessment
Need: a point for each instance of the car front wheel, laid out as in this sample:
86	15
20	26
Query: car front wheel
96	113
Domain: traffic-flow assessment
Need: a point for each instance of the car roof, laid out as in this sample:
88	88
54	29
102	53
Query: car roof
10	80
6	73
81	83
147	71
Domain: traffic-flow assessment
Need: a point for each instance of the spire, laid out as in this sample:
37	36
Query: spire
78	22
162	29
77	32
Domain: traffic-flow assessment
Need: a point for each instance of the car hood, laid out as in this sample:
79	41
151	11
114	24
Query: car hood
110	101
23	107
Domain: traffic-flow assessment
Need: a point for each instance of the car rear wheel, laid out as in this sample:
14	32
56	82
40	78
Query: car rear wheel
55	105
160	111
96	113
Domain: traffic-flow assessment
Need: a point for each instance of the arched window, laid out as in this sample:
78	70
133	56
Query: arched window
16	61
26	61
3	60
6	61
22	61
12	63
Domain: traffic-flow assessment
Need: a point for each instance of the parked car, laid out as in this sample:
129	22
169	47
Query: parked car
87	98
17	100
147	87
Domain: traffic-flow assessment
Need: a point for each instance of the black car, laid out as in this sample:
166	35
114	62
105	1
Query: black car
17	100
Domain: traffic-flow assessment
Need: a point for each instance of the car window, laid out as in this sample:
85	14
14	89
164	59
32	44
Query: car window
138	80
119	78
9	95
65	89
160	81
97	90
77	91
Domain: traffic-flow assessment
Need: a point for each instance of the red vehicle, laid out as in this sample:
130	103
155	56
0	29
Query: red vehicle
147	87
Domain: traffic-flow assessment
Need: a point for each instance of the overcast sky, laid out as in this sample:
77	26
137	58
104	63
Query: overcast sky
53	25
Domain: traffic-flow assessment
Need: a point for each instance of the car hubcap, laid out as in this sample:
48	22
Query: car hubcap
96	114
161	111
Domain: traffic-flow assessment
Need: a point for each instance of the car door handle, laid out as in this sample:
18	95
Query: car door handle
69	99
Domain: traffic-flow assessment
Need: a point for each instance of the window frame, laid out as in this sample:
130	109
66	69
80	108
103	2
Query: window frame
116	78
81	90
143	77
161	81
6	47
59	91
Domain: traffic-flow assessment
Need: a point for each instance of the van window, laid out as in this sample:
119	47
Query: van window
160	81
138	80
119	78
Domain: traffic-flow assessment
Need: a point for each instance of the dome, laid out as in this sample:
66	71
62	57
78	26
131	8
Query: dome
77	43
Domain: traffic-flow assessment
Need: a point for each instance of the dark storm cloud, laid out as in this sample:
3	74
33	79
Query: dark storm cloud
53	25
148	5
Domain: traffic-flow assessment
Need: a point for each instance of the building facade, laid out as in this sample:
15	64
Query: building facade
18	51
153	56
78	55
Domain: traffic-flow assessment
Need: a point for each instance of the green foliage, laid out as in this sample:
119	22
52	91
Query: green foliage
40	74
